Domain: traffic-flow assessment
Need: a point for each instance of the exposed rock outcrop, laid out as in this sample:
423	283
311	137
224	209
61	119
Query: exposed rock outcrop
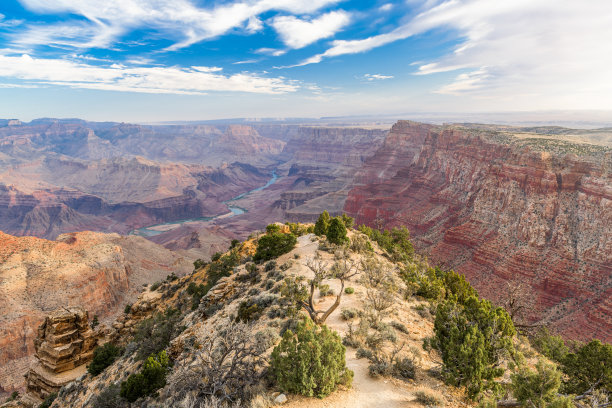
497	211
64	345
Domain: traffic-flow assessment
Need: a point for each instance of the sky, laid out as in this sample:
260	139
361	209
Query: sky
159	60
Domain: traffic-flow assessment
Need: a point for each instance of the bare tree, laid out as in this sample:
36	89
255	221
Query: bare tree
343	270
228	363
518	301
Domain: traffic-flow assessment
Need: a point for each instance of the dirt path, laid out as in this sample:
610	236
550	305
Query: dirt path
366	391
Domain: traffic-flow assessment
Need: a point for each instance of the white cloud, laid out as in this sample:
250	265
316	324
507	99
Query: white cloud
376	77
193	80
386	7
298	33
557	53
180	20
270	51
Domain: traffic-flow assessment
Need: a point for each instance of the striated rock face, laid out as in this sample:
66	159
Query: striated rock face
496	212
322	164
100	272
64	345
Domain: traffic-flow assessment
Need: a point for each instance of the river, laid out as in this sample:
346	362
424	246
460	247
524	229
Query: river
157	229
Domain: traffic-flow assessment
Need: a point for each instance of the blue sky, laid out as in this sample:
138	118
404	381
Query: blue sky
154	60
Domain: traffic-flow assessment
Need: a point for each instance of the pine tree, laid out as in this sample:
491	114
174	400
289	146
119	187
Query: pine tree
336	232
322	224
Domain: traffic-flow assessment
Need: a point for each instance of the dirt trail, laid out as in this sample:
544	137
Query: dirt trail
366	391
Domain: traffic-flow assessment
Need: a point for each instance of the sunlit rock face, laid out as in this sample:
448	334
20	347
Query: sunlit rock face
499	212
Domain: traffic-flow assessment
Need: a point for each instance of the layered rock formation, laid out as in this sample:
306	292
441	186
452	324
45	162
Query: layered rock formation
498	211
64	345
100	272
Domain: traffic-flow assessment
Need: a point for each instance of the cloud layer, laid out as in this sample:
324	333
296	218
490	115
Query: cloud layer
193	80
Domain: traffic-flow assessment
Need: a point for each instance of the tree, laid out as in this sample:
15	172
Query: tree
472	338
103	357
589	368
336	232
299	296
348	221
540	388
227	364
322	224
151	378
273	245
310	362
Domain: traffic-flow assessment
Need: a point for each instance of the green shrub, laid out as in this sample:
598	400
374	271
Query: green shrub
364	353
216	256
399	327
472	339
404	368
320	227
336	232
48	401
348	221
273	245
549	345
270	266
127	309
589	367
349	291
151	378
199	263
234	243
248	311
361	244
103	357
155	286
539	388
395	242
196	292
310	362
272	228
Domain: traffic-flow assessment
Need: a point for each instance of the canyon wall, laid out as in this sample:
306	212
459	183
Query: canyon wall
498	211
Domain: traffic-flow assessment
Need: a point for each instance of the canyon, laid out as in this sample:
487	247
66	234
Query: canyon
499	204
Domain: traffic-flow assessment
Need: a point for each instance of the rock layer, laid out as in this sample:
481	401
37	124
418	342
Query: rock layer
497	212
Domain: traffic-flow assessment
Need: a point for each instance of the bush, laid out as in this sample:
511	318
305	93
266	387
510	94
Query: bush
273	245
399	327
539	388
109	398
364	353
349	290
348	314
272	228
248	311
270	266
336	232
199	263
234	243
310	362
155	286
151	378
48	401
103	357
127	309
429	398
404	368
325	290
154	334
361	244
395	242
472	339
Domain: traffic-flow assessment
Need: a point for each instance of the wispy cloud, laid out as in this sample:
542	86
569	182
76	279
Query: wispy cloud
181	20
116	77
376	77
298	33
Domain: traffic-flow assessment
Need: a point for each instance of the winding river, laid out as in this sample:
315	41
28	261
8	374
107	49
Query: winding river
157	229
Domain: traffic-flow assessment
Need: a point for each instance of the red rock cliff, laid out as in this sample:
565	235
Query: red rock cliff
498	212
